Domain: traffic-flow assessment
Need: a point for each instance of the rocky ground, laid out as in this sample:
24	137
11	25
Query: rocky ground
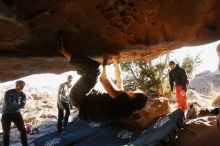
40	112
205	97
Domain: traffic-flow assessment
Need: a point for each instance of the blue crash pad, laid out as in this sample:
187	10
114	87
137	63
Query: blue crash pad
82	133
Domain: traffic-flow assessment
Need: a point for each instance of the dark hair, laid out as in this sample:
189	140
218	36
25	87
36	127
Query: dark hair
139	101
171	62
69	77
19	82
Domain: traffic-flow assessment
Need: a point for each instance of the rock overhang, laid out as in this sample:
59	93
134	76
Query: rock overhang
142	29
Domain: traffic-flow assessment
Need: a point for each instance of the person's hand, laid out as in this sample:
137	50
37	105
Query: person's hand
61	44
171	92
63	48
116	58
105	60
182	92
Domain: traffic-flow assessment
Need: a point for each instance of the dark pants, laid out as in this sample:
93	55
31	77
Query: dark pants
62	121
19	123
92	105
89	71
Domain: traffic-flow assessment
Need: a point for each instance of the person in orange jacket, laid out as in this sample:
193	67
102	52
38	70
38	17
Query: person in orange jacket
178	78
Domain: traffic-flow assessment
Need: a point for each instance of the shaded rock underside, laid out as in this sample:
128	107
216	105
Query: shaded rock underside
138	29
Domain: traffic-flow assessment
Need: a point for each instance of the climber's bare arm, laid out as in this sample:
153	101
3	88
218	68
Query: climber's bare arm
107	84
118	74
63	50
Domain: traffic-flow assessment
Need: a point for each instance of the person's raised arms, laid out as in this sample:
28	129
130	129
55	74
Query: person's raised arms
106	83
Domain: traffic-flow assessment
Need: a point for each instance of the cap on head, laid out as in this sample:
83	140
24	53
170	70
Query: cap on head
69	77
19	82
172	63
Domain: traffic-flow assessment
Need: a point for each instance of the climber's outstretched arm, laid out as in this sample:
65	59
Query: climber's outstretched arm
107	84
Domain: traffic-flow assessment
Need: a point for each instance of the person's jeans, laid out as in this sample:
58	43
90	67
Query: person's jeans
62	121
89	71
6	126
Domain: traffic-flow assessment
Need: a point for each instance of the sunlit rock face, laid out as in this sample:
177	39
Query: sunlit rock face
207	83
140	29
216	102
202	127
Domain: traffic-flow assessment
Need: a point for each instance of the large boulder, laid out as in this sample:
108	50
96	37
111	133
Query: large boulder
142	29
206	83
154	109
216	101
206	133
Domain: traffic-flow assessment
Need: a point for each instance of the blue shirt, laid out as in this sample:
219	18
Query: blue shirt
13	101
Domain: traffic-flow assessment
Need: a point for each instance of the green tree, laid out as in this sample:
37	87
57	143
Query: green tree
190	64
144	75
150	76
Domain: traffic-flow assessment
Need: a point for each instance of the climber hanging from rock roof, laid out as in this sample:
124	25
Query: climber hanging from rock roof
100	107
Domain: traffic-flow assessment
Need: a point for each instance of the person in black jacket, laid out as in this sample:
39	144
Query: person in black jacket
178	79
